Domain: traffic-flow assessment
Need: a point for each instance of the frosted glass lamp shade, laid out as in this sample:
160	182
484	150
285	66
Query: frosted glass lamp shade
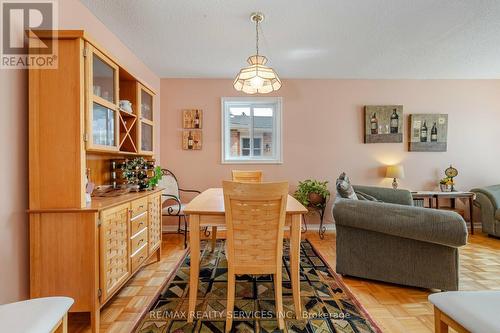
395	171
257	78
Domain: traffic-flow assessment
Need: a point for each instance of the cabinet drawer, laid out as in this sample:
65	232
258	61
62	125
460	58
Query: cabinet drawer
139	206
139	240
137	223
138	258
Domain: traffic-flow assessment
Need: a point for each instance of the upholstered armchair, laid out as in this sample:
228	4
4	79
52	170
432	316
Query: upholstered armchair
488	200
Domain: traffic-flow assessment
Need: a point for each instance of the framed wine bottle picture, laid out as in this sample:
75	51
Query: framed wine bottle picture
429	132
191	139
383	124
192	119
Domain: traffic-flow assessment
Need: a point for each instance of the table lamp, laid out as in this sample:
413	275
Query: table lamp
395	172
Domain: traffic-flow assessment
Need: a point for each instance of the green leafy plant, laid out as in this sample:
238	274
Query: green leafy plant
447	181
153	181
312	186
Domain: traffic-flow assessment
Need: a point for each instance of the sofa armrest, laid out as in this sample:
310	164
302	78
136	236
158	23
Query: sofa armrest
490	192
389	195
428	225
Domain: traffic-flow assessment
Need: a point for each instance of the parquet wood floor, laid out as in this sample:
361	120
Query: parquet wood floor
394	308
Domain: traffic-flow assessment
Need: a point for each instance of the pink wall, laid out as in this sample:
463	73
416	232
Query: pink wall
323	131
14	250
14	199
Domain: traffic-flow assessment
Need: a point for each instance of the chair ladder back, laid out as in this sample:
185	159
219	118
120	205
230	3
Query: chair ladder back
169	184
255	219
243	176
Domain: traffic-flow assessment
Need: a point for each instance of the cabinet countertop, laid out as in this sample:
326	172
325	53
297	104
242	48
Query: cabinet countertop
100	203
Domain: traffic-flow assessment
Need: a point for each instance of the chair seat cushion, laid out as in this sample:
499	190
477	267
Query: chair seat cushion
173	210
477	311
43	314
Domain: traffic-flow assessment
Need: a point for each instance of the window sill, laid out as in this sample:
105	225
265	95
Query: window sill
251	162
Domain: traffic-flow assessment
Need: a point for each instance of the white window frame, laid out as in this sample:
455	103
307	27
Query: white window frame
277	103
261	137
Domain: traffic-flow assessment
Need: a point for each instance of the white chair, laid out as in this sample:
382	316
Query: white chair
38	315
466	311
171	201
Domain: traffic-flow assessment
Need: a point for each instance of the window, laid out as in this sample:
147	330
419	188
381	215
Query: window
245	146
251	130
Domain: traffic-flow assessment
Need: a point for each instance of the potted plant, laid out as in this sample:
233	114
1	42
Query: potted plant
446	184
153	181
312	192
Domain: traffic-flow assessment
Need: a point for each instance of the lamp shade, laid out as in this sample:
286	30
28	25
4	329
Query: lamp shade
257	78
395	171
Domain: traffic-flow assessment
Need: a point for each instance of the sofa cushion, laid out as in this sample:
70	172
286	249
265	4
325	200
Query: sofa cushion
344	187
366	197
423	224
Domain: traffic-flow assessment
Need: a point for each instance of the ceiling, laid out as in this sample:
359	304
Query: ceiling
359	39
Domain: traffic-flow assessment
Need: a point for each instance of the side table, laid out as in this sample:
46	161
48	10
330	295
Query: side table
321	212
434	201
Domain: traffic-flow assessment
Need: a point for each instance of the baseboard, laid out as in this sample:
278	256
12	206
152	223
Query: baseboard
313	227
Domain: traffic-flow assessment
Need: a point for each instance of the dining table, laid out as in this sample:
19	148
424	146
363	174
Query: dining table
207	210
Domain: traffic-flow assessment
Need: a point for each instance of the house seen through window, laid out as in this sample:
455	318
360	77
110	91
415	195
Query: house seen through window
251	130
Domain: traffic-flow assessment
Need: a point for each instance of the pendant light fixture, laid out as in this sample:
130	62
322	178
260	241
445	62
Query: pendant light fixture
257	78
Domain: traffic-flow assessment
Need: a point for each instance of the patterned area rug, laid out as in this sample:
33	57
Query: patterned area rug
328	306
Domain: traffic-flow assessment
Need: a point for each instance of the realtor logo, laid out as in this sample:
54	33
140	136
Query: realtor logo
23	25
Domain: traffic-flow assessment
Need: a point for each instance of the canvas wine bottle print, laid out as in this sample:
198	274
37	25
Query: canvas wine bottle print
192	118
383	124
429	132
191	140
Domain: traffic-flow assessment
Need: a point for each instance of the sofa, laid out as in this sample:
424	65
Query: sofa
388	239
488	200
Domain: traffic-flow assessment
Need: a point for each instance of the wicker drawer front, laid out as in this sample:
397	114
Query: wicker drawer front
139	240
154	222
139	257
114	254
139	206
138	223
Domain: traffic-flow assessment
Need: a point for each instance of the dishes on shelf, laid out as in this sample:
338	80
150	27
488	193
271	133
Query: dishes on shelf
125	105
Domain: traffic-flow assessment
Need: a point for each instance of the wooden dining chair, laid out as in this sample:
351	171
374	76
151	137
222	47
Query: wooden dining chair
243	176
255	220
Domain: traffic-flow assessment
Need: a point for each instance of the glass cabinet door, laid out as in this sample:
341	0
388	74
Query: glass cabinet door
146	105
102	112
146	137
103	125
103	79
146	133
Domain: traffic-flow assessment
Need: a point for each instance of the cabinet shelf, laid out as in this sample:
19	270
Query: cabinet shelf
126	114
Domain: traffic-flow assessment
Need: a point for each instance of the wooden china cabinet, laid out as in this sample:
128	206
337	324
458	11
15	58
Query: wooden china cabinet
87	251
